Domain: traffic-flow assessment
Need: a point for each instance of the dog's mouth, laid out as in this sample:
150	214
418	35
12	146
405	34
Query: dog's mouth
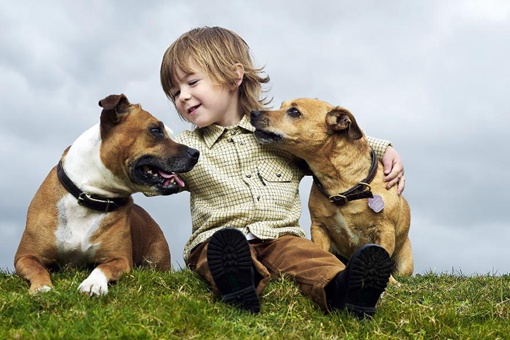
267	137
166	179
156	177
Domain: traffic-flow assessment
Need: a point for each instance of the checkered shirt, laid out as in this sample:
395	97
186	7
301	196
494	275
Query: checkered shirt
241	183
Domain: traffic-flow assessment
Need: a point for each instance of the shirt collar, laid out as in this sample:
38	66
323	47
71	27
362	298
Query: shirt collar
212	133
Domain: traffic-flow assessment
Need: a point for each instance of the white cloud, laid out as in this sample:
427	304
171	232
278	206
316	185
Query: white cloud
485	11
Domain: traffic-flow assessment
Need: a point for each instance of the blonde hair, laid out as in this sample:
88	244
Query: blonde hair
215	51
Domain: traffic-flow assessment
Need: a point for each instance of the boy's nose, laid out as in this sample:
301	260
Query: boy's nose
183	96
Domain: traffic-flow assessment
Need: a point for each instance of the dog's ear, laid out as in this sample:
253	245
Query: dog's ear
339	119
113	106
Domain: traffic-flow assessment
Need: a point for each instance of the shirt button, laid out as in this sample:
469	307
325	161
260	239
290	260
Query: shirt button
249	175
278	175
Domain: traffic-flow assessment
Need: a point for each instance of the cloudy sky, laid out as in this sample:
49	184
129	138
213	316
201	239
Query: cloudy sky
431	76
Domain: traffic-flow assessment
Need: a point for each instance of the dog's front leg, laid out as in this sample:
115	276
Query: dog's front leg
386	237
97	282
320	236
30	268
387	241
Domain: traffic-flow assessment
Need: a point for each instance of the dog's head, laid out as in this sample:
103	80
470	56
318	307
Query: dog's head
303	125
137	148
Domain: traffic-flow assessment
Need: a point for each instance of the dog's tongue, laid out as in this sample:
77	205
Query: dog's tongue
168	176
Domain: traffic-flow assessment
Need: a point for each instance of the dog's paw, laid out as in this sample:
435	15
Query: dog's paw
394	282
41	289
95	284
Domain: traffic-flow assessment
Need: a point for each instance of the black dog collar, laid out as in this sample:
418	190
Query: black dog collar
94	202
359	191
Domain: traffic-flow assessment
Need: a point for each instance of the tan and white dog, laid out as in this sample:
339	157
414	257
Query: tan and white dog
83	213
349	203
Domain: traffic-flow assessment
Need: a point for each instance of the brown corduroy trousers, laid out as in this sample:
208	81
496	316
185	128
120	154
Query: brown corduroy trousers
293	257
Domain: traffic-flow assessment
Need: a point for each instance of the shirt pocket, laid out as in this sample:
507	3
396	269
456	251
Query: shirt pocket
280	189
274	170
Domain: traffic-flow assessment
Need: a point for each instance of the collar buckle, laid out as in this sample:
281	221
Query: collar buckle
339	200
85	199
91	201
364	186
359	191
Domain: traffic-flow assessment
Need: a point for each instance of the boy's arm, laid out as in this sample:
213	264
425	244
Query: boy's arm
393	165
379	145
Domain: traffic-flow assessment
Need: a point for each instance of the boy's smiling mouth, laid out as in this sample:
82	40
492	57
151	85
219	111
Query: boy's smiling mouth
193	109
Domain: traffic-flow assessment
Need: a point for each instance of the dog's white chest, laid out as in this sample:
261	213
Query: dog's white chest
76	225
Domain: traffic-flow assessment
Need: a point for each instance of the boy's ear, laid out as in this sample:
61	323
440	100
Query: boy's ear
239	71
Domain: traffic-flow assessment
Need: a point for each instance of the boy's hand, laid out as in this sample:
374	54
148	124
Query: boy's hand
393	169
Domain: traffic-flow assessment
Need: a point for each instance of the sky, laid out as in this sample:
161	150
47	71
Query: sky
433	77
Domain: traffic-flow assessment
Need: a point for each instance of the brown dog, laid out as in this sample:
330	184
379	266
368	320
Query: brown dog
83	213
349	203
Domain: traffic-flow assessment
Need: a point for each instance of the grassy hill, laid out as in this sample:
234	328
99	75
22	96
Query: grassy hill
178	305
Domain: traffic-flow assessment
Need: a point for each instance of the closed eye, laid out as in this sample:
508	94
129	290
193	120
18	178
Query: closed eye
191	83
293	112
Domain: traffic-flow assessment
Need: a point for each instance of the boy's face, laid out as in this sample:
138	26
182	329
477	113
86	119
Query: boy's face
202	103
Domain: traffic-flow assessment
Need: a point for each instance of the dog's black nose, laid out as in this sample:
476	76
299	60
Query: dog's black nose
193	153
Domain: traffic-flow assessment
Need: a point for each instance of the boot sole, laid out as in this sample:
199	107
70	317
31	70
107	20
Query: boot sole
369	270
231	266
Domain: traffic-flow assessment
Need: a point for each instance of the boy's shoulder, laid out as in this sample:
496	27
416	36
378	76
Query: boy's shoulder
187	136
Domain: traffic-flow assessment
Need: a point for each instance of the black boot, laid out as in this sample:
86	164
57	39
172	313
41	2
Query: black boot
229	259
358	288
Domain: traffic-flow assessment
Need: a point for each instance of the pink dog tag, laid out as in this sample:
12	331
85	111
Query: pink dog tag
376	203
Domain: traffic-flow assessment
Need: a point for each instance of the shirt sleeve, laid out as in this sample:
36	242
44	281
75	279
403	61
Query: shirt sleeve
379	145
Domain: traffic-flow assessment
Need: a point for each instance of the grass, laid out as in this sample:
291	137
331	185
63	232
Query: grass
178	305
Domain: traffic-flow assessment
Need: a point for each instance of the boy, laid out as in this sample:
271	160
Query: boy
245	202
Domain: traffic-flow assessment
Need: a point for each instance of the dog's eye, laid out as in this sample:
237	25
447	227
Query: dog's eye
157	131
293	112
